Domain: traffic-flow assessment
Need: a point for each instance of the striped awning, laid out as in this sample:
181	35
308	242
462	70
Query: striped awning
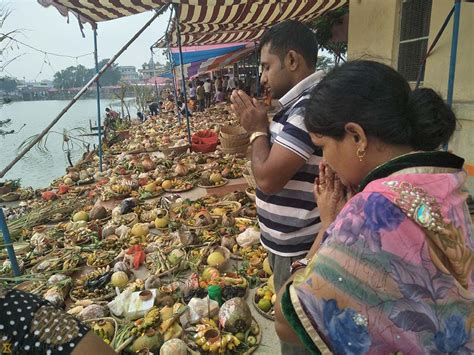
204	22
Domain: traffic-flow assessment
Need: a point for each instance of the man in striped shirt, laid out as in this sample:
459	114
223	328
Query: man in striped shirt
284	159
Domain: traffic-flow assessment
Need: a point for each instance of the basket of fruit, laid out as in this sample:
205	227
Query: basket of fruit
264	300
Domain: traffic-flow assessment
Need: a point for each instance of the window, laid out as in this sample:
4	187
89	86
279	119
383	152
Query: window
414	31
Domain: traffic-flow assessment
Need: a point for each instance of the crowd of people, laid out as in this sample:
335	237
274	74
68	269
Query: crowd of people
363	215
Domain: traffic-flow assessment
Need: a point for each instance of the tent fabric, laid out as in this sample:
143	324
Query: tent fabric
212	64
204	22
200	54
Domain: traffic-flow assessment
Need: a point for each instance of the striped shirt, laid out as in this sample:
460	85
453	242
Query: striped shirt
289	220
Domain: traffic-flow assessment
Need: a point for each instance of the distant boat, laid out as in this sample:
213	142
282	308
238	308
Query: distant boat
93	130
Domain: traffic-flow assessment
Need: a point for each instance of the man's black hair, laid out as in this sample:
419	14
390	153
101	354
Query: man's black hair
292	35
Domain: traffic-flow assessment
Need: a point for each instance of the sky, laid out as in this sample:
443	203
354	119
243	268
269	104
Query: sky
47	30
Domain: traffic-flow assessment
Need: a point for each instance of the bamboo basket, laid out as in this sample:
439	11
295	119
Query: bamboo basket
233	142
235	150
228	132
233	136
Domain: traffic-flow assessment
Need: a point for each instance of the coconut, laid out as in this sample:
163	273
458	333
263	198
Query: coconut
174	347
150	341
235	315
92	311
98	212
83	175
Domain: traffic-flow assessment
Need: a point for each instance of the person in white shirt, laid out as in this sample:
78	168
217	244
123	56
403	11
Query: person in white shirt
231	84
208	92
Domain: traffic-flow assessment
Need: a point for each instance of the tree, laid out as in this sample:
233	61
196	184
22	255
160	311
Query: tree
78	76
323	25
111	76
324	63
8	84
6	40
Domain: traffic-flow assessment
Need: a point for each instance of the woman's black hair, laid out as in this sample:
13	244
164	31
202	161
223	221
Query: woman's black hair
380	100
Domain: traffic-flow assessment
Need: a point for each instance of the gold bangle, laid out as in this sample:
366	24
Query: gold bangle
255	135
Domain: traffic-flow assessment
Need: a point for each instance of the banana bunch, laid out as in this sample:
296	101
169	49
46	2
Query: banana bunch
207	236
104	329
93	275
221	344
71	262
249	253
151	317
120	189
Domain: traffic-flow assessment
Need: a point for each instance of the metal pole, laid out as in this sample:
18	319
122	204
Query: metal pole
99	123
80	93
258	71
8	244
454	49
182	76
173	74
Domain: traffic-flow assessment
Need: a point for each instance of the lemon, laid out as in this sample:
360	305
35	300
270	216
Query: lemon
264	304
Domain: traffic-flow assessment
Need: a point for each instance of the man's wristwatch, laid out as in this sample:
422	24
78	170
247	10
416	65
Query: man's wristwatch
255	135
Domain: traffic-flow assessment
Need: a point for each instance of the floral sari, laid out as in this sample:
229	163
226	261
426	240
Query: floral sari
394	273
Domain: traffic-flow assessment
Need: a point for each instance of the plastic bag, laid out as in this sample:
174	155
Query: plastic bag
120	304
198	308
248	237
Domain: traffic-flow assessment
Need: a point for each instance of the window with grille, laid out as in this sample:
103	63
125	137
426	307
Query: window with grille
414	31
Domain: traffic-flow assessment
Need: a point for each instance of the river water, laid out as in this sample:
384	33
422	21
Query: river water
38	169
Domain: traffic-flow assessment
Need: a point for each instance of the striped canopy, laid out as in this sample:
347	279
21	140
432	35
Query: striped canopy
204	22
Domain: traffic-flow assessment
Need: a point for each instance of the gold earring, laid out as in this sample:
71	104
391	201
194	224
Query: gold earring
360	154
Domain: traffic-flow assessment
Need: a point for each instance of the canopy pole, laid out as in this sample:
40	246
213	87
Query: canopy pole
257	60
80	93
8	244
454	50
182	76
173	75
99	123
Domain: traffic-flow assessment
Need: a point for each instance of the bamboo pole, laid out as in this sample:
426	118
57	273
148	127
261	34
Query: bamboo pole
81	92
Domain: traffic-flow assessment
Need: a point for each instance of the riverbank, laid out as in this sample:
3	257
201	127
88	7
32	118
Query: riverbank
173	211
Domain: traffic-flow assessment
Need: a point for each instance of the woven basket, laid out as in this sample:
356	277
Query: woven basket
233	132
167	151
235	150
235	141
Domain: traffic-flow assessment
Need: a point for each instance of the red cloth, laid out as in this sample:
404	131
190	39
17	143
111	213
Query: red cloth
138	255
